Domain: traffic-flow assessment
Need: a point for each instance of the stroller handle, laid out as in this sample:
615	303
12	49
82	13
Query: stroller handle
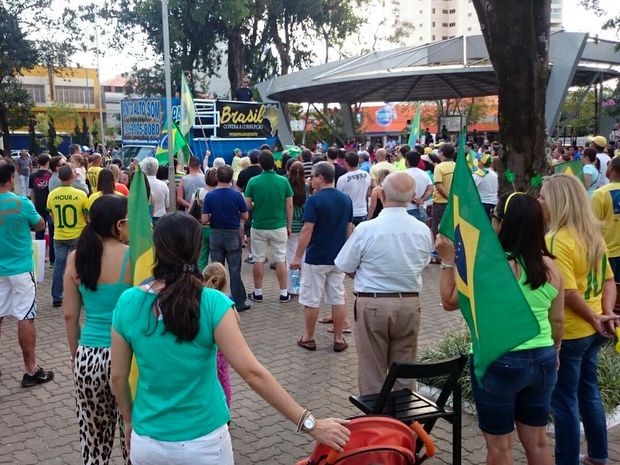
416	427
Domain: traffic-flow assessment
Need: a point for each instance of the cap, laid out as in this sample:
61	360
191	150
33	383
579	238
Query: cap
237	150
598	140
86	148
486	159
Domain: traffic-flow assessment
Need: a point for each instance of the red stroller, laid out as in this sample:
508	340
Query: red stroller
376	440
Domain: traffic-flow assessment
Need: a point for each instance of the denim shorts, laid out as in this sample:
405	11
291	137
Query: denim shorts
516	387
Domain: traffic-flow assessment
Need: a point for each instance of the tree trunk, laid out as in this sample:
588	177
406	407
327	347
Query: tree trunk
6	136
517	39
235	59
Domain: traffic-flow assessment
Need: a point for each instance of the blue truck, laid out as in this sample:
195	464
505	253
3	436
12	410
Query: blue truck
220	126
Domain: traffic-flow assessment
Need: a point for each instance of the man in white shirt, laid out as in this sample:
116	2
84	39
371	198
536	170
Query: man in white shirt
423	186
160	194
356	184
386	257
599	143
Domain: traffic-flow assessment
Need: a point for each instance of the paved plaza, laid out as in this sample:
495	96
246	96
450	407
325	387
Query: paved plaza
38	425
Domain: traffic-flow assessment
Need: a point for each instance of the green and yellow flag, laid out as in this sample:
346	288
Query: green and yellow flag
574	168
188	111
493	305
414	134
178	144
141	254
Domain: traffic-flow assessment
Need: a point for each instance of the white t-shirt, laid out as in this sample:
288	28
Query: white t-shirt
422	181
487	186
160	193
604	159
356	184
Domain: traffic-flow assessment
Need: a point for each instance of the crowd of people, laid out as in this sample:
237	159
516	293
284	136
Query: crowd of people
370	215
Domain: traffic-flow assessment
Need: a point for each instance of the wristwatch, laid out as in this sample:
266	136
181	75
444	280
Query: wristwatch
309	423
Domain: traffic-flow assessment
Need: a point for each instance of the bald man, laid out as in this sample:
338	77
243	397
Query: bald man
386	257
381	164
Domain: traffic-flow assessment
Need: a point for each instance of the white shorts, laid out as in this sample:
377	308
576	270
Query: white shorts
214	448
18	296
262	239
315	278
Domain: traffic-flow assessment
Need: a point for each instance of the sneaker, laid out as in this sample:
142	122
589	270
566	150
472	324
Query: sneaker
40	376
286	298
249	260
255	298
57	303
244	308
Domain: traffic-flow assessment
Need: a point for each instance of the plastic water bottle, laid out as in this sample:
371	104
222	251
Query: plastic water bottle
294	282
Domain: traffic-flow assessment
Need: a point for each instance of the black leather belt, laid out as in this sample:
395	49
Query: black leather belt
377	295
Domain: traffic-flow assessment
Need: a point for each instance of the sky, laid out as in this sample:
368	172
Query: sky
575	18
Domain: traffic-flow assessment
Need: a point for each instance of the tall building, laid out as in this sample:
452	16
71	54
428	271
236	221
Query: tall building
423	21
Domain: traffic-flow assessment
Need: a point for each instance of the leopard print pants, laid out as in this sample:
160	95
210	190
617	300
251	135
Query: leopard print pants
96	408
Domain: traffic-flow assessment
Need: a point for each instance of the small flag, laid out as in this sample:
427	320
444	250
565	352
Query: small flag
178	144
414	135
141	254
499	318
188	111
574	168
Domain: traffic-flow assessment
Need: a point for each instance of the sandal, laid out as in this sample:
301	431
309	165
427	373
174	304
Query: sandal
308	345
326	320
344	331
340	346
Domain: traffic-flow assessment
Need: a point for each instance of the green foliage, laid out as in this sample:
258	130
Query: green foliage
452	345
578	111
611	22
52	138
458	343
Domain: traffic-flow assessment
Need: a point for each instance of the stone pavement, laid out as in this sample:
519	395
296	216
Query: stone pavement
38	425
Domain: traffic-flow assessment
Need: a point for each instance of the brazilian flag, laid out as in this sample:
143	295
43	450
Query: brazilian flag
574	168
141	254
494	307
178	144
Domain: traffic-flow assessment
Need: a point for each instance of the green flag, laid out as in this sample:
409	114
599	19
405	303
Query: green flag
178	144
574	168
414	134
141	254
494	307
188	111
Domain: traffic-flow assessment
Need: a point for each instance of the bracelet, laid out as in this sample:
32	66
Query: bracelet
302	418
446	266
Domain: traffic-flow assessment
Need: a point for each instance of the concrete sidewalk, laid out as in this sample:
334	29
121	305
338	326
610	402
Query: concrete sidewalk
38	425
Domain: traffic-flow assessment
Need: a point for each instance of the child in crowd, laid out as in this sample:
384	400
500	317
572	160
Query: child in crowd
214	276
78	163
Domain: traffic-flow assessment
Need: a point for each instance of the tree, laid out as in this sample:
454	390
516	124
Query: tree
612	22
52	138
578	111
519	29
15	102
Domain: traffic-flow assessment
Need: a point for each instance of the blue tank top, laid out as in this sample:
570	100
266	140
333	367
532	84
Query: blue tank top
98	309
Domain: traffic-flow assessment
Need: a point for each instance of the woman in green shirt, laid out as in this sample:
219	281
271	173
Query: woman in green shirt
97	274
517	387
173	327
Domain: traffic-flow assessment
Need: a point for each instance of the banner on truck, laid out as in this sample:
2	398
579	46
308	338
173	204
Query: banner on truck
141	120
245	119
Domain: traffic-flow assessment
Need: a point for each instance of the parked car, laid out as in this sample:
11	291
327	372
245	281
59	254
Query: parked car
128	152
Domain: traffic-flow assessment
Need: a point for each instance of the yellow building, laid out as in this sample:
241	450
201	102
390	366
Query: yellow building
78	87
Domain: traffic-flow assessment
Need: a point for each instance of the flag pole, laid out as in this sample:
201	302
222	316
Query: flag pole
171	178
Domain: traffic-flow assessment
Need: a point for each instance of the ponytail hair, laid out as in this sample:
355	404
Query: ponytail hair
105	212
176	238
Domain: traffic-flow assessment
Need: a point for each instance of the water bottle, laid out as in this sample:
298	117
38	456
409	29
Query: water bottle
294	282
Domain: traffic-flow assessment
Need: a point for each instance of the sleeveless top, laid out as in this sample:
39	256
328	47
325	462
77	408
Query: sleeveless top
98	309
540	300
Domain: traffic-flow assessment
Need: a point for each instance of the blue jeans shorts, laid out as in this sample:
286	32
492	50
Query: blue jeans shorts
516	387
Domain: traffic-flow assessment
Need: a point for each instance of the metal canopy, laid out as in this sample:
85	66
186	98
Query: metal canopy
427	72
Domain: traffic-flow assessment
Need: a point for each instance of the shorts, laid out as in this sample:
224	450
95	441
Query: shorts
18	296
516	387
262	239
315	278
215	447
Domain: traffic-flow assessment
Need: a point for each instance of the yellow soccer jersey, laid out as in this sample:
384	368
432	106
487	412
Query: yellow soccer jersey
606	206
93	177
67	206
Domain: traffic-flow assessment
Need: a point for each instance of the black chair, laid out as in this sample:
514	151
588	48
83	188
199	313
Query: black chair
408	406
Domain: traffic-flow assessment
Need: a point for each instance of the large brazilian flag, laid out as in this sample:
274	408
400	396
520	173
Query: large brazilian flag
141	254
496	311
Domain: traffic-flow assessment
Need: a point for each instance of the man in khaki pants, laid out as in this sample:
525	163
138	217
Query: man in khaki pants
386	257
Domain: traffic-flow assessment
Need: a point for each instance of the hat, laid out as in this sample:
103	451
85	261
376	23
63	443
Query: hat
599	141
237	150
86	148
486	159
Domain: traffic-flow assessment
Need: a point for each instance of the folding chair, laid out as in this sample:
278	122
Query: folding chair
408	406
